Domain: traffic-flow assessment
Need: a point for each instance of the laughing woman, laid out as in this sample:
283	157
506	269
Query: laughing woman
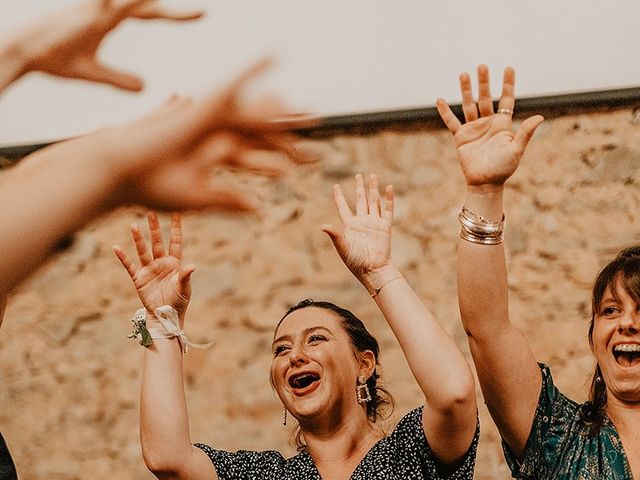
324	371
546	435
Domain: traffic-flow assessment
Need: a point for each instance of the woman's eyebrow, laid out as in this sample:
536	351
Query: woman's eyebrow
306	331
610	297
280	339
319	327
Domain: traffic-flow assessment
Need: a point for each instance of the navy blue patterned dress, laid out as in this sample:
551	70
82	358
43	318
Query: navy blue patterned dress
403	455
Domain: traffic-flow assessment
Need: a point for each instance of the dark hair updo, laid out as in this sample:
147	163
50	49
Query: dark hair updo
623	270
381	404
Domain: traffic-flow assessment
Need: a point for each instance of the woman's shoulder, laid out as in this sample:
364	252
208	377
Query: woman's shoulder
407	450
552	400
557	416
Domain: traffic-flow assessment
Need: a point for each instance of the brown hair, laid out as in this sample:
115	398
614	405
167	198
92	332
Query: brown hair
623	271
381	404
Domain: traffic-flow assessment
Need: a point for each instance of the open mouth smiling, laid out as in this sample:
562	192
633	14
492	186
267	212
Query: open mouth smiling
303	382
627	354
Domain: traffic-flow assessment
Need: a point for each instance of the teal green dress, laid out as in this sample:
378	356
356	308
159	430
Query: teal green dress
560	447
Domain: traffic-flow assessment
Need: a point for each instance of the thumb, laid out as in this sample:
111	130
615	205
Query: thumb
337	237
526	131
94	71
184	281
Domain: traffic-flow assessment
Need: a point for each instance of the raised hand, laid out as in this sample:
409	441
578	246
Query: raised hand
167	160
488	150
66	43
161	279
364	241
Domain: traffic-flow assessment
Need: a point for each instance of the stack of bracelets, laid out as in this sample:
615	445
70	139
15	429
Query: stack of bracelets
477	229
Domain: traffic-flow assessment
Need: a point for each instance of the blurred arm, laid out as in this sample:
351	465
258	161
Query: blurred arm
165	160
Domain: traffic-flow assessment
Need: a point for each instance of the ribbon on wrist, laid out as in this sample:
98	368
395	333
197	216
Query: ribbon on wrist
169	328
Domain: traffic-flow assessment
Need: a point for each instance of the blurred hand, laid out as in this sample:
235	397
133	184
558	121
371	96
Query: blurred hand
166	160
364	242
161	279
488	150
66	43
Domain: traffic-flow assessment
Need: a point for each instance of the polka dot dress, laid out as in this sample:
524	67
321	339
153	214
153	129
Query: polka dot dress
403	455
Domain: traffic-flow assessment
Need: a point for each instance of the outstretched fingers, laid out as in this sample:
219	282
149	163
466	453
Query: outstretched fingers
261	134
153	10
387	213
220	109
448	117
374	196
485	102
218	197
94	71
526	131
239	152
344	212
157	246
507	100
175	240
184	281
275	142
267	164
141	245
125	261
469	106
222	104
361	196
294	121
337	237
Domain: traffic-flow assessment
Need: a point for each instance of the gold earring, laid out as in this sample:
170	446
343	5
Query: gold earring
362	390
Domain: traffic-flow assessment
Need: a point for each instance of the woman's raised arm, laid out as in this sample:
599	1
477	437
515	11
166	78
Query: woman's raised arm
489	153
165	160
161	280
364	244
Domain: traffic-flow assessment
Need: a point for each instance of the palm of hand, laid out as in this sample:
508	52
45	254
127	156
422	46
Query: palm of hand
157	282
486	150
367	243
74	35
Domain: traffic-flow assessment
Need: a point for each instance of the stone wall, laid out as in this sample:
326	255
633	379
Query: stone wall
70	378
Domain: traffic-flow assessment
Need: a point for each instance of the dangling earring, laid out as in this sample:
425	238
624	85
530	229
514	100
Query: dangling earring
362	390
598	379
284	416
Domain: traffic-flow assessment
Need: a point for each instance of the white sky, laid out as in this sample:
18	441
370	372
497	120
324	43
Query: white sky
335	56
